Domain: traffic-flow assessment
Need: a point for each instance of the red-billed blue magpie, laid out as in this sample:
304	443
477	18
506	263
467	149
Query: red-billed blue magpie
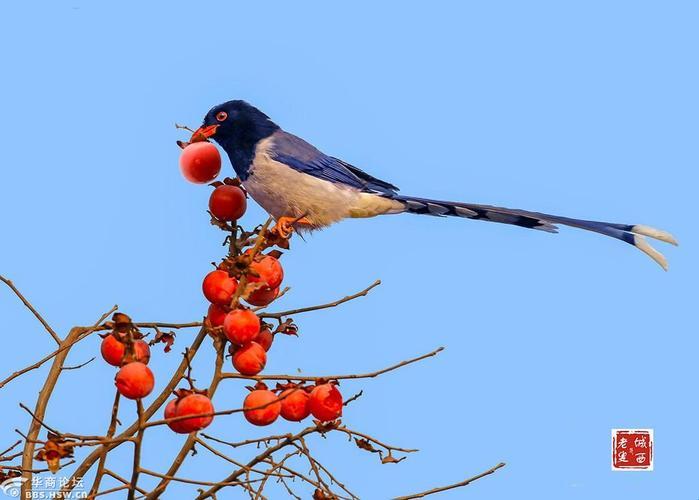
296	183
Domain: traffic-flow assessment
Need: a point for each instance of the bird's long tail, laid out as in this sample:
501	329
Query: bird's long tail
633	234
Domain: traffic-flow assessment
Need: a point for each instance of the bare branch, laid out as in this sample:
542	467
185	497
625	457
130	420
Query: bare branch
66	344
89	461
265	440
123	480
137	452
191	439
109	491
3	454
279	315
31	308
193	324
75	367
353	398
110	433
39	411
277	455
335	377
452	486
211	492
193	481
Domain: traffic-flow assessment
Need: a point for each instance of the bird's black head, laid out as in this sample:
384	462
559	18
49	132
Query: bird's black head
239	122
237	127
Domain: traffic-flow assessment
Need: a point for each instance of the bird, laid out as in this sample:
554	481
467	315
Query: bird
304	189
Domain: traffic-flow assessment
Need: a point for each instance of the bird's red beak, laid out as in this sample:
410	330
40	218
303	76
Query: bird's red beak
199	135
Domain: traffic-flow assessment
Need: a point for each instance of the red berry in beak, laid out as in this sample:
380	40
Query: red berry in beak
200	162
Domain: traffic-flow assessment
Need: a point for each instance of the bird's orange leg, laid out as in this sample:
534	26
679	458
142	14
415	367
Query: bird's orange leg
285	225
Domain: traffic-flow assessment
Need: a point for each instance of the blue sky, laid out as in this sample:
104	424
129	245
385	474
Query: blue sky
582	109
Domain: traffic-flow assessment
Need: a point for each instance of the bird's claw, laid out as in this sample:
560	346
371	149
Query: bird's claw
285	226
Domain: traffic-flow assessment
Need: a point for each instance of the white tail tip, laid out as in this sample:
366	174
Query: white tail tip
657	234
643	246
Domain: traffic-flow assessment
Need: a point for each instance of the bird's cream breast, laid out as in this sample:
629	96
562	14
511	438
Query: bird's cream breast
283	191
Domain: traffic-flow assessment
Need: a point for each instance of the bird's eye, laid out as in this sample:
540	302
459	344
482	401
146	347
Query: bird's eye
221	116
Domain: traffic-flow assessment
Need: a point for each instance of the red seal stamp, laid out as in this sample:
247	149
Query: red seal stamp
632	449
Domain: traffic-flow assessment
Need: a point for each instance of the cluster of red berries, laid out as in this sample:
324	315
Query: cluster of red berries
124	347
241	326
251	339
293	402
252	277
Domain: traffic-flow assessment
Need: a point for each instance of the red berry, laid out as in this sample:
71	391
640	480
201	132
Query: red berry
241	326
134	380
228	203
261	416
219	288
113	350
200	162
216	315
193	404
265	339
270	271
171	411
250	359
295	404
262	296
326	402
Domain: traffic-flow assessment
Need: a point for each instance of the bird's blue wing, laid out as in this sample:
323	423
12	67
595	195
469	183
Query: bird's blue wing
303	157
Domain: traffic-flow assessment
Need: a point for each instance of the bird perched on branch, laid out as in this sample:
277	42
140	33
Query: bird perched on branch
303	188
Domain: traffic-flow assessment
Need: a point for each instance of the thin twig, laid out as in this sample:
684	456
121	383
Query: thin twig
40	421
451	486
3	458
279	315
266	439
64	345
354	398
211	492
335	377
110	490
213	450
191	481
123	480
137	452
388	447
193	324
110	433
75	367
31	308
